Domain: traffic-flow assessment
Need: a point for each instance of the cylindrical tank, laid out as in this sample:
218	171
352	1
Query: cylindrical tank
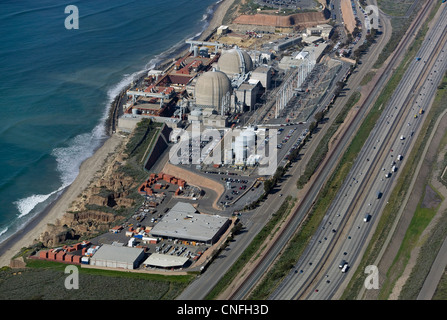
244	146
196	51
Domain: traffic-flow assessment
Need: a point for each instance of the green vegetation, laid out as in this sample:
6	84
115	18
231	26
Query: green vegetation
421	219
400	23
370	38
44	280
253	248
367	78
441	290
400	190
142	139
323	146
427	254
312	221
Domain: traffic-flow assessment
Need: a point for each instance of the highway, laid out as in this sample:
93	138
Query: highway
317	274
201	286
307	200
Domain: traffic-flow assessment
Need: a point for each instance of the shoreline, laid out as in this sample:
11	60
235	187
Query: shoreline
33	229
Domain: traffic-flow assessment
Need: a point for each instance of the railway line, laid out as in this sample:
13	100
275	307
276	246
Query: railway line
366	188
308	200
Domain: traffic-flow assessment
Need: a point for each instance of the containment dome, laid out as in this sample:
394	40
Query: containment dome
235	61
212	89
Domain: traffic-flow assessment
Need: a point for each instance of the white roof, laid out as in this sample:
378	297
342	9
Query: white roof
117	253
183	222
165	260
184	207
302	55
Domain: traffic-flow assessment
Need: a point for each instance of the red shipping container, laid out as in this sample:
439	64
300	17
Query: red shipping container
60	256
52	255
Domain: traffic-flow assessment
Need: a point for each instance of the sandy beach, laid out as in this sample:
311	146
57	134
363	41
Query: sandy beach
89	167
87	170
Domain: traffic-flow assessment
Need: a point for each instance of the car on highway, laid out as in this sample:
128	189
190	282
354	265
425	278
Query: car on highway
345	268
367	217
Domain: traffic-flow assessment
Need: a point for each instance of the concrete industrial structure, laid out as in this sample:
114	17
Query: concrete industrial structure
228	88
212	92
263	73
183	222
113	256
234	62
166	261
321	30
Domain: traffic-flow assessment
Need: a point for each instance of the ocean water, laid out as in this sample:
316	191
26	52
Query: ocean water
56	85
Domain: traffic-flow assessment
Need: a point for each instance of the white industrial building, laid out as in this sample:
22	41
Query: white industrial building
262	73
228	88
248	92
113	256
322	30
165	261
183	222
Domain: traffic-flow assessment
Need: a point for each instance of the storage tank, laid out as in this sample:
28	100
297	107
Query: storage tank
196	51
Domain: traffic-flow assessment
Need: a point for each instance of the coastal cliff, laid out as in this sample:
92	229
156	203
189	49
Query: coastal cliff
112	193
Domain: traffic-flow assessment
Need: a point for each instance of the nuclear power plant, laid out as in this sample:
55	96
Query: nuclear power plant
233	85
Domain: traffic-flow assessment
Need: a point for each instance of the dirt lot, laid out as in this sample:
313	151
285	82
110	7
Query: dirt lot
348	15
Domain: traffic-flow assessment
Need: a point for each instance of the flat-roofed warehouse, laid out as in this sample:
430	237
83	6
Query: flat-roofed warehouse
183	222
165	261
113	256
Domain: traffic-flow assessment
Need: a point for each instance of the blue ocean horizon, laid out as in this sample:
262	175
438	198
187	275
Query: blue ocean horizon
57	85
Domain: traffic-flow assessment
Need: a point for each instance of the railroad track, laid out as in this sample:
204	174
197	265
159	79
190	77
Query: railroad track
361	194
307	202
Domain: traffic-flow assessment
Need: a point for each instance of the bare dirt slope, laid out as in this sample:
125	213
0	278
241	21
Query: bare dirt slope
297	19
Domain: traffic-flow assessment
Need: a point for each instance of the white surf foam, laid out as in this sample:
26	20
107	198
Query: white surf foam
26	205
3	231
83	146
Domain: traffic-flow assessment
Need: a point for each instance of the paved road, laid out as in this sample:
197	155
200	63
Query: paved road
255	221
359	187
316	186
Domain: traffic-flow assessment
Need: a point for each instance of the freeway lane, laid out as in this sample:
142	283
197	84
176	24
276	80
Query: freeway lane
353	247
319	181
322	244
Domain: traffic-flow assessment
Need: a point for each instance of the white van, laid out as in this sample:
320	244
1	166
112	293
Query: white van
345	268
